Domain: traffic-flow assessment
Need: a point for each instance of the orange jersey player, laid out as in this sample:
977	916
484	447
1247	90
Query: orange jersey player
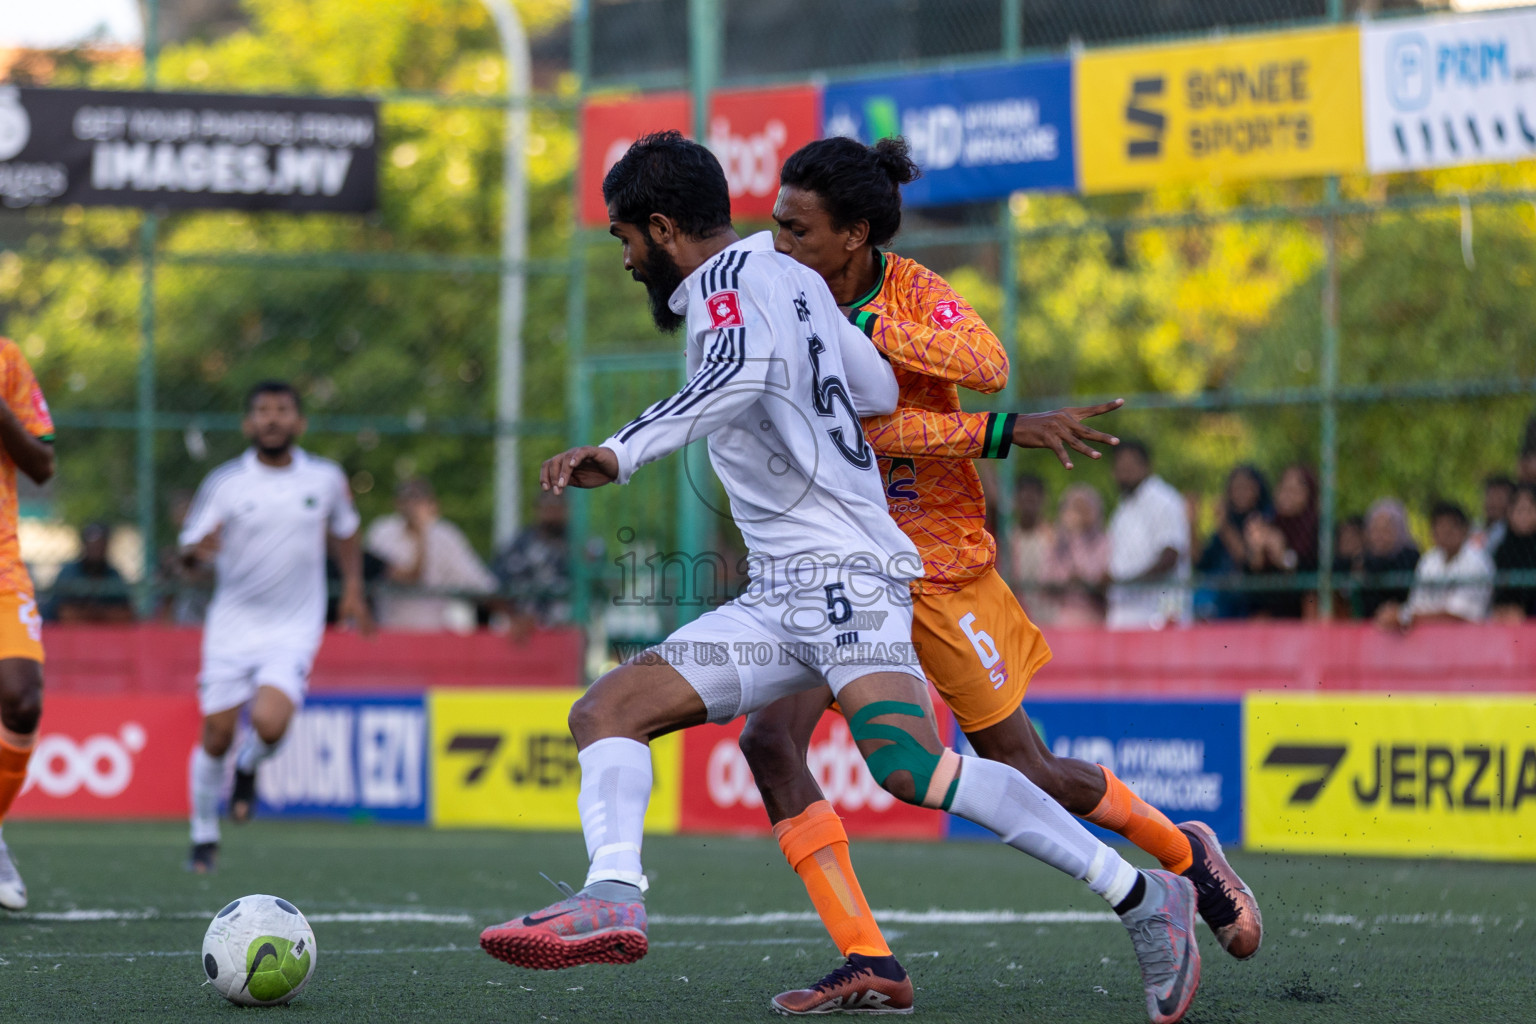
840	200
26	443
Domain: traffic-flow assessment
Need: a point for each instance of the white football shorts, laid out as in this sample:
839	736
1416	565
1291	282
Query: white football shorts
229	681
775	641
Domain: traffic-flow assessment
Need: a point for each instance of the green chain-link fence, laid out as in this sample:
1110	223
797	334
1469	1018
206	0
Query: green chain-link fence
1375	331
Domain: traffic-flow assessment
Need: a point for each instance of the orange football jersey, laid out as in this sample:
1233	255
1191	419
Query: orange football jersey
20	392
936	343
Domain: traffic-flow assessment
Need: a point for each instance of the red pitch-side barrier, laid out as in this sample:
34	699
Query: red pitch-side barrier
158	659
1297	656
1208	659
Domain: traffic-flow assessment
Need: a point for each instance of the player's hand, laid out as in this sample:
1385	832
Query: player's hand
587	466
204	550
353	609
1063	429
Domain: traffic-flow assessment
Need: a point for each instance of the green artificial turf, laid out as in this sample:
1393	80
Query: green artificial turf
1347	940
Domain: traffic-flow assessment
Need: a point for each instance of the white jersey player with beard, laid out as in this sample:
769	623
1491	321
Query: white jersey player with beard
778	382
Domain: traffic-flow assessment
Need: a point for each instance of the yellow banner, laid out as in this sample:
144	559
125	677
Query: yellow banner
1416	776
505	759
1268	106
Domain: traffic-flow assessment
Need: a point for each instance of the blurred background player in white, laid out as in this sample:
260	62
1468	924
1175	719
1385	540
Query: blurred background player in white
26	443
263	520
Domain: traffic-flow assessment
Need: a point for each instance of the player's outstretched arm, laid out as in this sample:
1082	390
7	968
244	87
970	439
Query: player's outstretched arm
585	466
1064	428
920	433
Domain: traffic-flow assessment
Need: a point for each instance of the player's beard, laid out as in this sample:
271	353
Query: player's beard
277	450
661	276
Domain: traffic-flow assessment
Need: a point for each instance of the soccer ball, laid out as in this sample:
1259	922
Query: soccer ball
259	951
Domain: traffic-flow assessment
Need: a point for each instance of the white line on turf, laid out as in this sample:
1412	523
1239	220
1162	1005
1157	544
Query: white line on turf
196	952
341	917
901	917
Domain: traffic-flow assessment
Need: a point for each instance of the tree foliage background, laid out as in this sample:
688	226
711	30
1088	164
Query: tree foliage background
389	356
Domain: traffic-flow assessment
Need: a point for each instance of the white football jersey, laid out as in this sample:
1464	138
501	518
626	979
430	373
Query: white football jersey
778	380
270	585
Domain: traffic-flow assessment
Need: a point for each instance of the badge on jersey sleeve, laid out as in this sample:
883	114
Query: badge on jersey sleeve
725	310
947	313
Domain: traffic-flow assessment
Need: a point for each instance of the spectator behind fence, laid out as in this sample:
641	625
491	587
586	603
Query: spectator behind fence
535	566
89	589
1148	546
1077	563
1515	602
1389	548
423	550
1226	552
1029	539
1498	492
1453	581
1348	565
1284	546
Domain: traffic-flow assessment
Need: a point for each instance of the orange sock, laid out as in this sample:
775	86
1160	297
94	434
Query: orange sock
1124	812
816	846
15	752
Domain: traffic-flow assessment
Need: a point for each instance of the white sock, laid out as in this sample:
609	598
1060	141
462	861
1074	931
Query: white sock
206	773
254	751
997	797
615	789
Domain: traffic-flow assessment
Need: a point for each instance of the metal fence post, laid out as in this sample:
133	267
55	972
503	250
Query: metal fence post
1329	372
1329	442
1013	28
144	462
1007	332
704	31
577	385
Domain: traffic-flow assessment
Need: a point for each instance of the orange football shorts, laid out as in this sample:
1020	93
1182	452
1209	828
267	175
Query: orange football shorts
978	649
21	627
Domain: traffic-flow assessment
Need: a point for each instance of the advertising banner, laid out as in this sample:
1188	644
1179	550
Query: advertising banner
976	134
186	150
751	132
350	757
1265	106
720	795
111	757
608	128
1419	776
506	759
1183	757
1444	91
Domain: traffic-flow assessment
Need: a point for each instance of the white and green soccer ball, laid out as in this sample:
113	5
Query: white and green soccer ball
259	951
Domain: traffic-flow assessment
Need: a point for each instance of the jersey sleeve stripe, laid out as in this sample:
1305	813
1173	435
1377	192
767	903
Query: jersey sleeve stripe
731	364
704	379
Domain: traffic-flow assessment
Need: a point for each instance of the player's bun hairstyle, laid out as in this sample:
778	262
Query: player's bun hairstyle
667	174
855	182
272	387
